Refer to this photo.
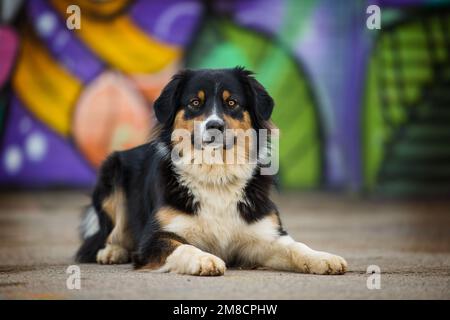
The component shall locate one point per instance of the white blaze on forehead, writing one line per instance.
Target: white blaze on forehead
(213, 116)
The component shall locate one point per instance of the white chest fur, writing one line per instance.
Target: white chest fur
(218, 227)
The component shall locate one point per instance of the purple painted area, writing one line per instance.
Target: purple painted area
(63, 43)
(320, 50)
(263, 15)
(359, 41)
(334, 51)
(32, 155)
(171, 21)
(8, 48)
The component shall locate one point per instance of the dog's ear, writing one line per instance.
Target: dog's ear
(168, 100)
(263, 102)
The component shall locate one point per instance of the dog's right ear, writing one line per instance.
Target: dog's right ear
(263, 102)
(168, 100)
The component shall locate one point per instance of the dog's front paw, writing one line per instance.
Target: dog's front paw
(112, 254)
(206, 265)
(325, 263)
(187, 259)
(307, 260)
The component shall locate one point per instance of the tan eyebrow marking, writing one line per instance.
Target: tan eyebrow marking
(225, 95)
(201, 95)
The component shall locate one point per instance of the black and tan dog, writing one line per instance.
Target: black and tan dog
(193, 217)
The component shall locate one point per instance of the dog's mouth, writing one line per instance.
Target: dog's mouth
(214, 141)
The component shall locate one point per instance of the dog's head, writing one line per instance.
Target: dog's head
(207, 102)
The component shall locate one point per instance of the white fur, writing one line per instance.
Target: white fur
(286, 254)
(89, 225)
(187, 259)
(112, 254)
(212, 117)
(218, 227)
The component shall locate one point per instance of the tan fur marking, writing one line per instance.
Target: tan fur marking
(181, 123)
(201, 95)
(114, 206)
(166, 215)
(275, 218)
(225, 95)
(112, 203)
(240, 127)
(245, 123)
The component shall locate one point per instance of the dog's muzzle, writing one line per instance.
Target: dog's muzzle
(213, 134)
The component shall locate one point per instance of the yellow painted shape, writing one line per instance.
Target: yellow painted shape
(123, 45)
(46, 89)
(103, 8)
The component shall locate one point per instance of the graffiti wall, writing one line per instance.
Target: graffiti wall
(406, 109)
(70, 97)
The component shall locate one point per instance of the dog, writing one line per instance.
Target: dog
(169, 213)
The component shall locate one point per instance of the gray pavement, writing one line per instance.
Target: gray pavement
(409, 241)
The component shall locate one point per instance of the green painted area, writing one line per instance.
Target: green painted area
(405, 128)
(298, 18)
(222, 44)
(374, 129)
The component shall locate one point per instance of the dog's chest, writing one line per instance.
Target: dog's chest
(218, 227)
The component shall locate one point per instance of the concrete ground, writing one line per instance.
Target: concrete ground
(409, 241)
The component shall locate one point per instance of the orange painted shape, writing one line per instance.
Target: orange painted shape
(110, 115)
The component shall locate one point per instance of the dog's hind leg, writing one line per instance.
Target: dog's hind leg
(94, 230)
(119, 242)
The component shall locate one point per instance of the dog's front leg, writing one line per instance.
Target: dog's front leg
(166, 252)
(287, 254)
(187, 259)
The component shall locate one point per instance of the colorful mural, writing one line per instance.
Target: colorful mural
(78, 95)
(406, 147)
(87, 92)
(69, 97)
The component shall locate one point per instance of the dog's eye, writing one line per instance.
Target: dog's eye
(232, 103)
(195, 103)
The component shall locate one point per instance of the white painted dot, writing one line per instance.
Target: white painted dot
(36, 146)
(24, 125)
(46, 23)
(12, 160)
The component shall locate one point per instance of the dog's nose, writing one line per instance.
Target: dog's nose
(215, 124)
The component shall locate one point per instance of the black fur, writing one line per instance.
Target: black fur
(155, 246)
(167, 102)
(262, 101)
(257, 202)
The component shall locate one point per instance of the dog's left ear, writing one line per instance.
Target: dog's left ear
(263, 102)
(168, 101)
